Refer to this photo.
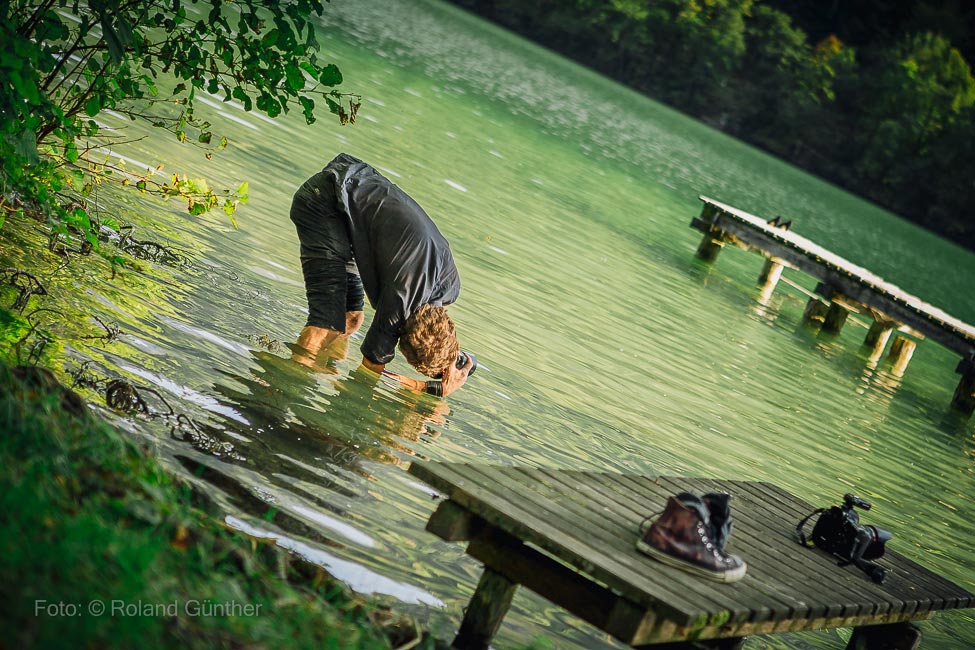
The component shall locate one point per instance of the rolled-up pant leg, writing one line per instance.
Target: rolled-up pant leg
(331, 277)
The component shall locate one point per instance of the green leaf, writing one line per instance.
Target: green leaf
(93, 106)
(242, 192)
(243, 97)
(330, 75)
(80, 218)
(25, 145)
(223, 142)
(71, 152)
(141, 186)
(296, 80)
(24, 87)
(115, 47)
(124, 31)
(205, 137)
(308, 106)
(270, 38)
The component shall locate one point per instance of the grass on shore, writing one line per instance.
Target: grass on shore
(91, 517)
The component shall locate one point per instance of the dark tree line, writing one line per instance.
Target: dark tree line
(875, 95)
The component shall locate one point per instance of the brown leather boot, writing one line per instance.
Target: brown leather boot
(682, 537)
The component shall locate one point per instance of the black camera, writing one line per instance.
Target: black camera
(839, 531)
(462, 358)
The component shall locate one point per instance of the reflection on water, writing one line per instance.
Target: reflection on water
(603, 344)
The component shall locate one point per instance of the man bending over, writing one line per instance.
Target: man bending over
(358, 231)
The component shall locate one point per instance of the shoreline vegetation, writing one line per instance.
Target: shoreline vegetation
(876, 97)
(105, 548)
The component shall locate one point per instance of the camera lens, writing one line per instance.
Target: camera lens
(462, 361)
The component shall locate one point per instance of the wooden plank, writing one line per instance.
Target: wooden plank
(497, 510)
(822, 598)
(795, 615)
(813, 568)
(547, 577)
(765, 554)
(855, 582)
(913, 582)
(771, 602)
(607, 536)
(849, 579)
(797, 624)
(616, 535)
(939, 585)
(846, 619)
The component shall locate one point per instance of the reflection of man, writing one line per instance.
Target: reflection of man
(360, 231)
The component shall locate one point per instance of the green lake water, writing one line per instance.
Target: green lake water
(603, 343)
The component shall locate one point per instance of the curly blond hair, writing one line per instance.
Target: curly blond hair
(429, 340)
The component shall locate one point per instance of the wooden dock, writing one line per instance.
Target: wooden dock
(843, 287)
(569, 536)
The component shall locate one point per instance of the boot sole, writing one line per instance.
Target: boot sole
(732, 575)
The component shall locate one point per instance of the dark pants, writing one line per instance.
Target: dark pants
(332, 282)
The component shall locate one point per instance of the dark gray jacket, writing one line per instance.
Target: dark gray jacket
(403, 260)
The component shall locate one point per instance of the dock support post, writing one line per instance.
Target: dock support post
(710, 246)
(877, 337)
(964, 398)
(835, 318)
(901, 351)
(815, 310)
(769, 277)
(485, 612)
(893, 636)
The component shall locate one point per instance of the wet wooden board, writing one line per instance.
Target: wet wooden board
(852, 281)
(570, 537)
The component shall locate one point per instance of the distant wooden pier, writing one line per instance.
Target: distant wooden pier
(843, 287)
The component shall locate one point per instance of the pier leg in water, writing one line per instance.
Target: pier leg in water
(877, 338)
(710, 246)
(835, 318)
(901, 351)
(769, 277)
(485, 612)
(964, 399)
(815, 311)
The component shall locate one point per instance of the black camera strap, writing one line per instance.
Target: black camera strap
(802, 536)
